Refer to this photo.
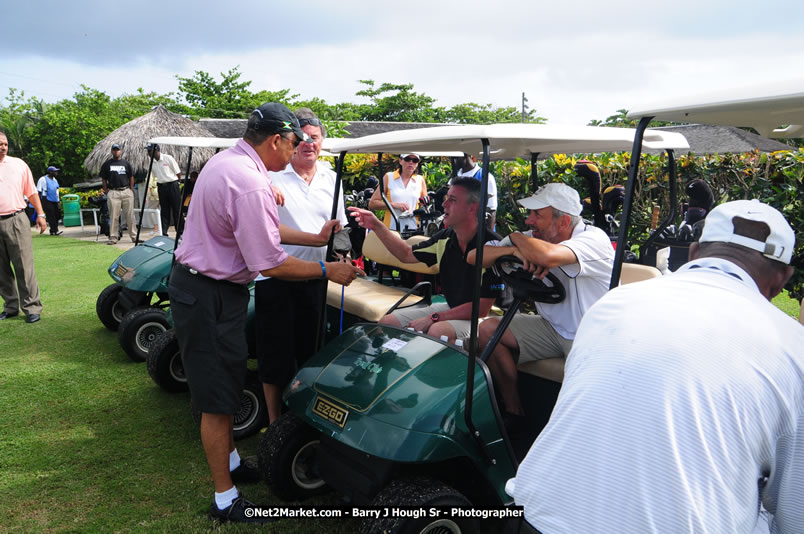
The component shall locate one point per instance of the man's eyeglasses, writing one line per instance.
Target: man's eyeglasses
(412, 159)
(309, 122)
(295, 140)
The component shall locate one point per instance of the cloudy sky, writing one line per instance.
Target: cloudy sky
(576, 60)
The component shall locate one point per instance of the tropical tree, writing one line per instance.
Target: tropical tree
(229, 98)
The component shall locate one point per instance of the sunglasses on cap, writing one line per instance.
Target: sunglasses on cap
(309, 122)
(413, 159)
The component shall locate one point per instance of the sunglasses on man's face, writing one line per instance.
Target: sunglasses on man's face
(309, 122)
(295, 140)
(412, 159)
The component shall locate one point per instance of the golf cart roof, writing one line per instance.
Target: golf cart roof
(775, 110)
(510, 141)
(219, 142)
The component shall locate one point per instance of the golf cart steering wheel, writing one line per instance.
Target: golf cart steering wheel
(524, 285)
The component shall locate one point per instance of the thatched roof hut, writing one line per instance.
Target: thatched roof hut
(133, 136)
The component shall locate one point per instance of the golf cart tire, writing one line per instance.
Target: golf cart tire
(139, 329)
(287, 454)
(419, 492)
(107, 307)
(253, 414)
(164, 363)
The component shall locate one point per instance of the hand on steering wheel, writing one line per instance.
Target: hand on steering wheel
(515, 273)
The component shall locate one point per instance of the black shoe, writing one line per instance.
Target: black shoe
(247, 472)
(240, 511)
(59, 232)
(32, 318)
(7, 315)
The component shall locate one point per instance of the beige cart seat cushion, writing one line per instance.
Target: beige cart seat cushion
(370, 300)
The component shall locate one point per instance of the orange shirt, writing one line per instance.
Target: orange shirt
(16, 182)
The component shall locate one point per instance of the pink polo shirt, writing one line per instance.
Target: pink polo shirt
(232, 228)
(16, 182)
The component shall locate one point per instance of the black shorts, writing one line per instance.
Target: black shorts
(210, 321)
(286, 315)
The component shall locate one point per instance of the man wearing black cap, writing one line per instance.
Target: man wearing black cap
(167, 174)
(48, 187)
(233, 233)
(118, 184)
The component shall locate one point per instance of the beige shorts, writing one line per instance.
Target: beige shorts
(406, 315)
(537, 339)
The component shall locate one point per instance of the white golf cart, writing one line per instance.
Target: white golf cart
(773, 110)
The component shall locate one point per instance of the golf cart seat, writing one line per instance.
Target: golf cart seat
(375, 250)
(371, 300)
(553, 368)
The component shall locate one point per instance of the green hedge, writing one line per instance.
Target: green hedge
(774, 178)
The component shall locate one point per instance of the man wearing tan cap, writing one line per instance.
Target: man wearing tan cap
(682, 406)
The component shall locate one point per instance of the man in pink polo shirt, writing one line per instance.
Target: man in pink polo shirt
(232, 234)
(16, 245)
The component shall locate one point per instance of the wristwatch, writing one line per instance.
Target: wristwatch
(40, 215)
(434, 317)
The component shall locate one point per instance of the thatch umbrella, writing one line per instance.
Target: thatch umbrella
(133, 136)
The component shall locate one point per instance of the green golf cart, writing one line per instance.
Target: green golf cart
(388, 416)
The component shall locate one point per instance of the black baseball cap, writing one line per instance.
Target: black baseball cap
(274, 117)
(115, 147)
(152, 146)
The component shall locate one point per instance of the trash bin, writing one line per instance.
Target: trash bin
(72, 210)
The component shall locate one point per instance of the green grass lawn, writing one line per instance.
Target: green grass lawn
(88, 443)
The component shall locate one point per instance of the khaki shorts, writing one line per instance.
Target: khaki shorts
(462, 327)
(537, 339)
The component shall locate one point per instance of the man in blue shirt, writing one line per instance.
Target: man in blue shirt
(48, 187)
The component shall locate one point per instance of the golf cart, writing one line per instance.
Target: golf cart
(773, 110)
(388, 416)
(134, 305)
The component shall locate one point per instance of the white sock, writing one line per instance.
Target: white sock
(224, 500)
(234, 460)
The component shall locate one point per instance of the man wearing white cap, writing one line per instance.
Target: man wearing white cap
(580, 255)
(682, 407)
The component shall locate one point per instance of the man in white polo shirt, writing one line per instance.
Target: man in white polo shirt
(682, 407)
(287, 312)
(167, 174)
(579, 255)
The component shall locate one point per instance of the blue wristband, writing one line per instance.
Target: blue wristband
(323, 269)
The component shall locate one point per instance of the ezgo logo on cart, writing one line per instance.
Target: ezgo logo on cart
(330, 412)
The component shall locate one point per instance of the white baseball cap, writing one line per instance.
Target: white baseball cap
(559, 196)
(719, 227)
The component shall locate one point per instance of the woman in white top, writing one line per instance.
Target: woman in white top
(403, 188)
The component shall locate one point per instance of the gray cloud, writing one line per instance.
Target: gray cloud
(113, 33)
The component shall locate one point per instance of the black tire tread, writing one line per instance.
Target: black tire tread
(105, 303)
(158, 362)
(416, 492)
(131, 322)
(277, 447)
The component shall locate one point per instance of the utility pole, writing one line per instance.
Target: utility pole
(524, 107)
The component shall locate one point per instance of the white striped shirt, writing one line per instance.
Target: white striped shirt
(680, 395)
